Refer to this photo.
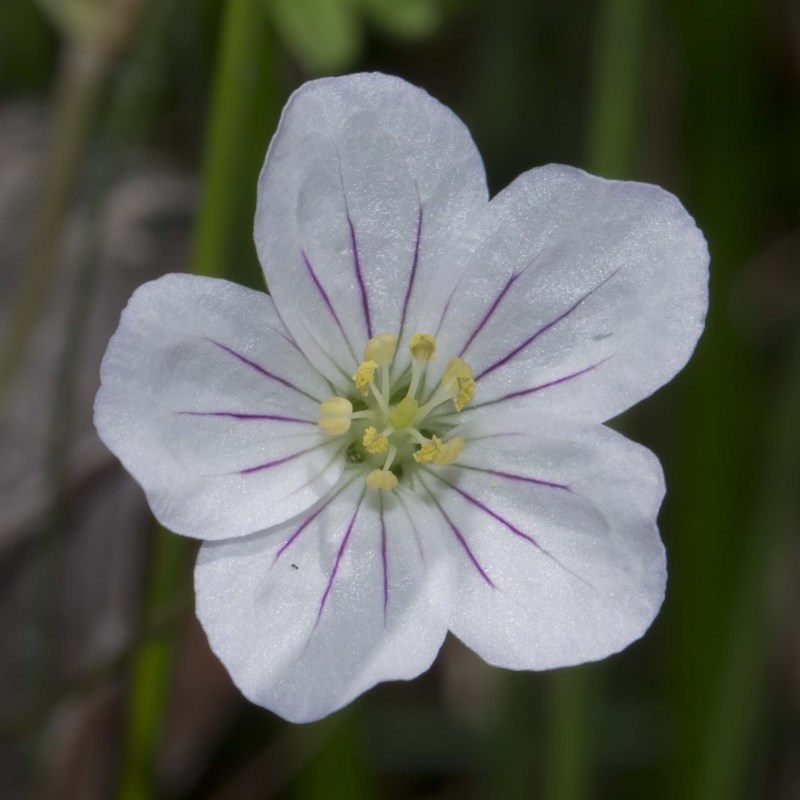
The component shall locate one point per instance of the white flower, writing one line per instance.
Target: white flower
(353, 515)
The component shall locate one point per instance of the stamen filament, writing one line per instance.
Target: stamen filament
(417, 368)
(390, 456)
(384, 406)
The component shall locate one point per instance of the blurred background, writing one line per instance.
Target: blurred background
(131, 135)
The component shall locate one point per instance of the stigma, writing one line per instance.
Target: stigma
(391, 407)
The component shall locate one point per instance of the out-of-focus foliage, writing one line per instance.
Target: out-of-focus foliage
(328, 35)
(148, 163)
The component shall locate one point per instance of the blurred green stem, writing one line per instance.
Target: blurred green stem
(736, 704)
(152, 671)
(78, 88)
(246, 107)
(244, 110)
(613, 133)
(617, 68)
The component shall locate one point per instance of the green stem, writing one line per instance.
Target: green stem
(613, 133)
(80, 81)
(245, 108)
(152, 672)
(736, 705)
(613, 127)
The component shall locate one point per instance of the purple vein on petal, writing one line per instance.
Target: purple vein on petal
(259, 369)
(460, 537)
(306, 522)
(384, 564)
(327, 300)
(512, 477)
(541, 386)
(413, 525)
(487, 316)
(278, 461)
(339, 554)
(534, 336)
(356, 257)
(359, 276)
(414, 263)
(238, 416)
(503, 521)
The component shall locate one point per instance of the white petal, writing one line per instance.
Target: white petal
(367, 184)
(212, 408)
(556, 553)
(582, 295)
(308, 615)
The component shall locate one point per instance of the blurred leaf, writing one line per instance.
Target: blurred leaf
(325, 35)
(26, 46)
(411, 19)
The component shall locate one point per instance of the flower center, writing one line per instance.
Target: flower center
(393, 424)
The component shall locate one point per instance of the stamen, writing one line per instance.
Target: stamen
(459, 379)
(450, 451)
(422, 347)
(440, 453)
(427, 453)
(381, 349)
(381, 480)
(337, 414)
(374, 442)
(364, 375)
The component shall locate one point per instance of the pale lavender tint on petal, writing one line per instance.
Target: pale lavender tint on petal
(413, 274)
(326, 299)
(542, 386)
(246, 417)
(258, 368)
(487, 316)
(384, 564)
(278, 461)
(460, 538)
(540, 331)
(359, 276)
(502, 520)
(339, 554)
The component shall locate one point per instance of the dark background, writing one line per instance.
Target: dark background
(131, 135)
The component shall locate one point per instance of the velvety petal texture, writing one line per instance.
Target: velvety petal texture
(344, 541)
(581, 295)
(551, 528)
(368, 185)
(309, 614)
(213, 409)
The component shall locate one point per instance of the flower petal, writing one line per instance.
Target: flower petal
(582, 295)
(212, 408)
(308, 615)
(556, 553)
(367, 184)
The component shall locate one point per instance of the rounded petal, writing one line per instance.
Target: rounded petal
(581, 296)
(308, 615)
(212, 408)
(555, 550)
(367, 184)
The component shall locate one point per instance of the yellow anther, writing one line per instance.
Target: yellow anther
(460, 382)
(440, 453)
(404, 413)
(381, 348)
(449, 451)
(428, 453)
(374, 442)
(381, 479)
(336, 416)
(422, 347)
(364, 375)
